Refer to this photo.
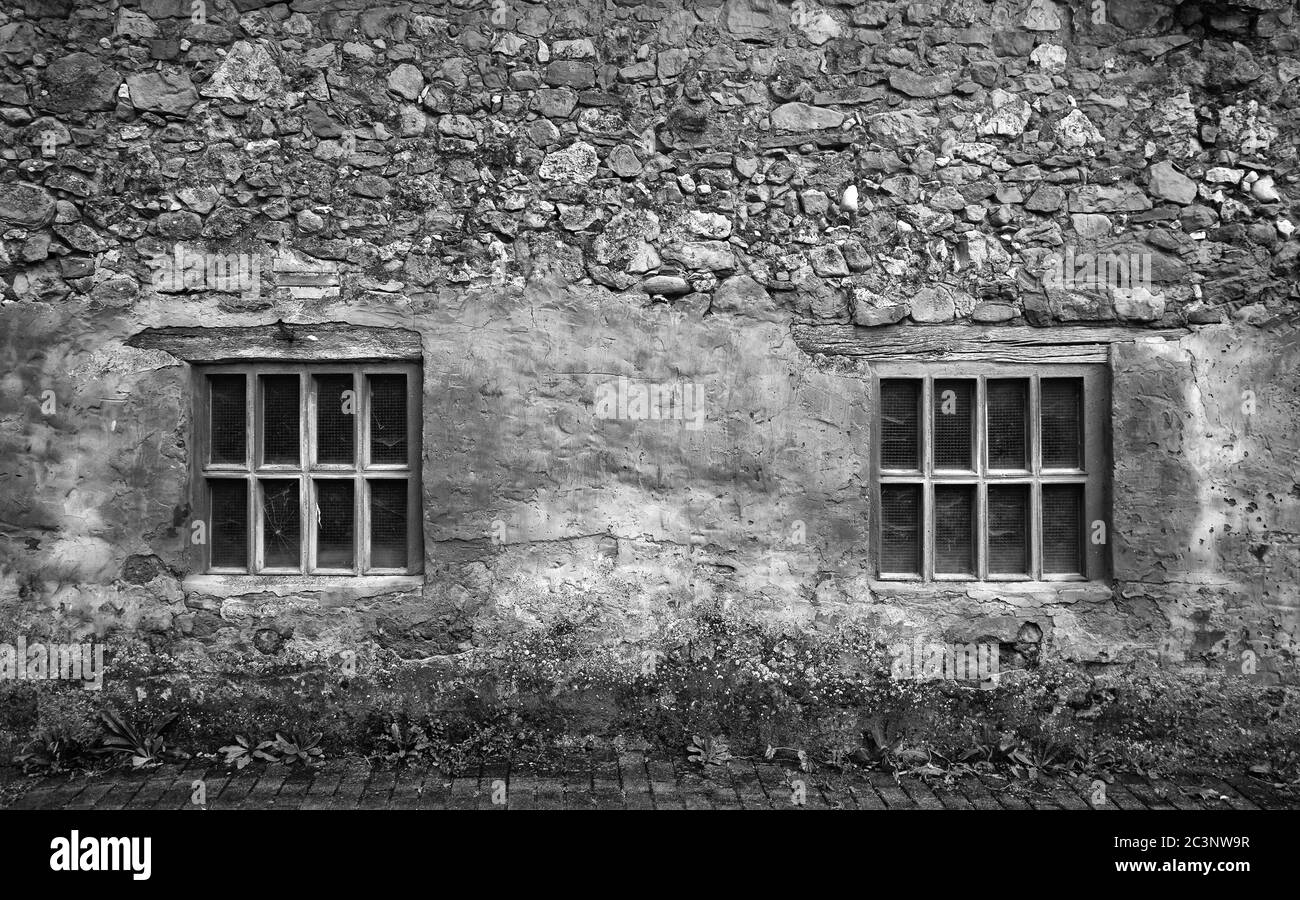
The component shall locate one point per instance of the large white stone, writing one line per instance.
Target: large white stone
(803, 117)
(1042, 15)
(1076, 130)
(577, 162)
(247, 73)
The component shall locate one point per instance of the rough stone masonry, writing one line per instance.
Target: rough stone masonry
(752, 197)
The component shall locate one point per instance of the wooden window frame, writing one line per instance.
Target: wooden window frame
(253, 470)
(1093, 475)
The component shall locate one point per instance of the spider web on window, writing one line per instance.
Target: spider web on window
(334, 523)
(281, 524)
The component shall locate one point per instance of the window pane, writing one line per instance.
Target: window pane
(1008, 401)
(388, 523)
(280, 419)
(954, 522)
(334, 524)
(1063, 529)
(229, 422)
(952, 418)
(900, 516)
(1009, 529)
(1062, 423)
(388, 418)
(229, 526)
(900, 528)
(336, 405)
(900, 424)
(281, 524)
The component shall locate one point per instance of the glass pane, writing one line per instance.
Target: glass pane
(1063, 529)
(900, 529)
(334, 524)
(281, 524)
(952, 418)
(280, 419)
(1062, 423)
(229, 422)
(388, 418)
(336, 405)
(1009, 529)
(1008, 401)
(900, 424)
(954, 520)
(229, 526)
(388, 523)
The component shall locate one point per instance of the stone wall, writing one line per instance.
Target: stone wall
(556, 195)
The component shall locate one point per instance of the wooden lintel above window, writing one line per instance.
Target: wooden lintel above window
(973, 343)
(283, 342)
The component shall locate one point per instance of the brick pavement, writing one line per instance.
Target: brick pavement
(605, 781)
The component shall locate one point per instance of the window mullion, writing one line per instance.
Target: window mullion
(876, 511)
(252, 554)
(362, 460)
(1035, 426)
(1087, 399)
(363, 524)
(980, 463)
(926, 531)
(250, 420)
(360, 535)
(311, 534)
(414, 425)
(926, 419)
(201, 492)
(363, 410)
(410, 518)
(358, 386)
(256, 419)
(1036, 530)
(1095, 491)
(1036, 468)
(310, 406)
(307, 530)
(306, 459)
(255, 520)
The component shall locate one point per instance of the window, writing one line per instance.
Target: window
(990, 472)
(309, 469)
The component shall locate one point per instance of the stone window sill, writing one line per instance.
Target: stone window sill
(1070, 590)
(339, 588)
